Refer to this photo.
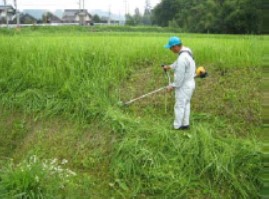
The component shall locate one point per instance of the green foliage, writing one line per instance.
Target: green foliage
(96, 19)
(147, 13)
(35, 178)
(170, 164)
(209, 16)
(139, 18)
(129, 20)
(78, 30)
(77, 83)
(72, 73)
(165, 11)
(135, 20)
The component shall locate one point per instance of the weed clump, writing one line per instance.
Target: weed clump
(35, 178)
(185, 165)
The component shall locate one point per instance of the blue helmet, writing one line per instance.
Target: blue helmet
(173, 41)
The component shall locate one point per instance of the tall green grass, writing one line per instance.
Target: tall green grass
(77, 76)
(167, 164)
(81, 75)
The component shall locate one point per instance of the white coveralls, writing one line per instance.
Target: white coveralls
(184, 84)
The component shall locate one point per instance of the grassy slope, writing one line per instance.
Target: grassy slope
(132, 152)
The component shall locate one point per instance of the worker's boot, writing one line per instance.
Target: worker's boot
(187, 127)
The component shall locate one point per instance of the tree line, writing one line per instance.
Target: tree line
(205, 16)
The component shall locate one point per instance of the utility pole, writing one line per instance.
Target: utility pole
(83, 4)
(84, 13)
(6, 10)
(126, 9)
(17, 13)
(109, 15)
(125, 5)
(81, 12)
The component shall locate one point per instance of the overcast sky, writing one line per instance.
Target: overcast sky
(116, 6)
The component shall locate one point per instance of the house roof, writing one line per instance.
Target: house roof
(71, 14)
(8, 7)
(53, 17)
(27, 16)
(70, 11)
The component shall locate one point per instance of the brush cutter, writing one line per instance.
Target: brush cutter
(145, 95)
(200, 72)
(152, 92)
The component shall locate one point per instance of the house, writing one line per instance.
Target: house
(11, 12)
(36, 13)
(49, 17)
(77, 16)
(26, 18)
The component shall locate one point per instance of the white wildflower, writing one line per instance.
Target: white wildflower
(64, 161)
(33, 158)
(59, 169)
(53, 161)
(72, 173)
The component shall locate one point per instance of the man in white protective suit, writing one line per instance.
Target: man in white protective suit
(184, 83)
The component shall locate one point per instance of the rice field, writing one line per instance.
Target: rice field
(59, 100)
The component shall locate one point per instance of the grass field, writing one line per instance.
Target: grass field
(63, 133)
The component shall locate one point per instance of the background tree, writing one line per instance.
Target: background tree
(147, 13)
(129, 20)
(264, 6)
(46, 17)
(96, 19)
(134, 20)
(241, 16)
(137, 17)
(211, 16)
(165, 11)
